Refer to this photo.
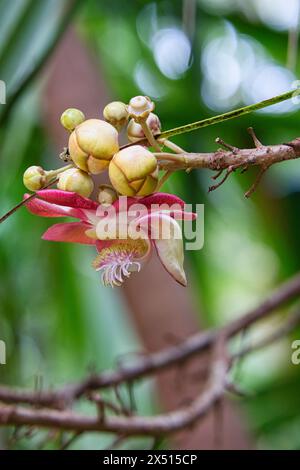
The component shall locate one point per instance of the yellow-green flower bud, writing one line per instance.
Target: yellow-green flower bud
(140, 107)
(135, 131)
(71, 118)
(34, 178)
(134, 171)
(94, 139)
(96, 166)
(116, 114)
(77, 181)
(107, 195)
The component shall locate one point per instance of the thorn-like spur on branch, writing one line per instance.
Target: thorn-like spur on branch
(257, 142)
(230, 170)
(226, 146)
(217, 175)
(38, 414)
(256, 181)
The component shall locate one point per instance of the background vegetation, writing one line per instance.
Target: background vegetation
(195, 59)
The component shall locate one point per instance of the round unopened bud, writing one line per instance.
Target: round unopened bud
(71, 118)
(135, 131)
(116, 114)
(77, 181)
(140, 107)
(34, 178)
(107, 195)
(96, 166)
(92, 140)
(133, 171)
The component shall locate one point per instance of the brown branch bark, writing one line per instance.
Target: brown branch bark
(155, 362)
(229, 160)
(165, 423)
(264, 155)
(134, 425)
(11, 413)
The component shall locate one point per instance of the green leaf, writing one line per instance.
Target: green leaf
(28, 35)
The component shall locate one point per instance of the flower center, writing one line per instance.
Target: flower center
(119, 259)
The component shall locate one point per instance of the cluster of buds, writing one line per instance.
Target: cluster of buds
(133, 170)
(93, 147)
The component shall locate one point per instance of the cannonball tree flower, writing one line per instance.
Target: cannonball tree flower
(118, 257)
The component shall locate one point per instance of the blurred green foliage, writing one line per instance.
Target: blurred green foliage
(54, 316)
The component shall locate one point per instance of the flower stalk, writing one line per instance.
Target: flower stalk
(150, 137)
(54, 173)
(229, 115)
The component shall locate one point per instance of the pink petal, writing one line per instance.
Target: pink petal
(67, 198)
(182, 215)
(165, 200)
(161, 198)
(170, 200)
(45, 209)
(156, 198)
(73, 232)
(176, 214)
(129, 201)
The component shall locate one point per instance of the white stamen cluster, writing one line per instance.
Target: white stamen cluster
(117, 262)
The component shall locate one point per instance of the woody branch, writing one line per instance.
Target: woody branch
(230, 158)
(53, 409)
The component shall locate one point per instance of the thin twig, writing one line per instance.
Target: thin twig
(24, 201)
(226, 145)
(256, 181)
(229, 115)
(70, 441)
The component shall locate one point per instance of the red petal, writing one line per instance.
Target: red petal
(45, 209)
(73, 232)
(67, 198)
(126, 203)
(182, 215)
(161, 198)
(156, 198)
(100, 244)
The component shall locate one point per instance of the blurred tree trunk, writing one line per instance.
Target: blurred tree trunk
(162, 310)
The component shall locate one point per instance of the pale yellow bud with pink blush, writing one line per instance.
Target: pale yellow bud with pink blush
(140, 107)
(116, 114)
(134, 171)
(76, 181)
(92, 140)
(107, 195)
(71, 118)
(34, 178)
(135, 131)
